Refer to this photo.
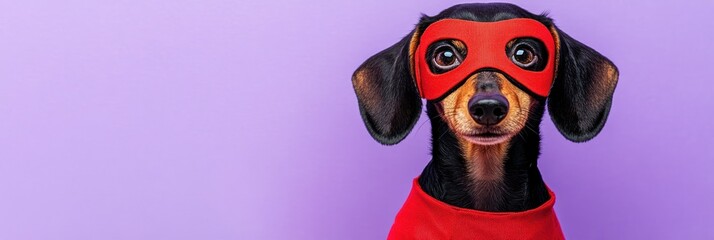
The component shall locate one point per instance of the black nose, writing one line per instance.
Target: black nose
(488, 109)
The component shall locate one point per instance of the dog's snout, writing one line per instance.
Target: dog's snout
(487, 82)
(488, 109)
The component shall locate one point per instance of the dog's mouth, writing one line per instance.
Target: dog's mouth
(487, 138)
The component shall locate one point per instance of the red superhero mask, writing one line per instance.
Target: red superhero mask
(486, 49)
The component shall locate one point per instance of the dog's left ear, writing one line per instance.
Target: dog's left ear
(581, 95)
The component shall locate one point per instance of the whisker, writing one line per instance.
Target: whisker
(425, 121)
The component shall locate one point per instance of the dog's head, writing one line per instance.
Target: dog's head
(487, 69)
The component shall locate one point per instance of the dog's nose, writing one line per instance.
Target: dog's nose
(488, 109)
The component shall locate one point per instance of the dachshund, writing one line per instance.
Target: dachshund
(486, 71)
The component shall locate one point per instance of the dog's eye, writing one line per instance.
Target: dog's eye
(527, 53)
(524, 56)
(446, 58)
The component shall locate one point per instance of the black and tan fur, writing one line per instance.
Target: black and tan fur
(501, 177)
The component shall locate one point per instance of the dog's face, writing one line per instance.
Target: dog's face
(488, 107)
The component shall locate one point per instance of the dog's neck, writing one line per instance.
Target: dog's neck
(510, 184)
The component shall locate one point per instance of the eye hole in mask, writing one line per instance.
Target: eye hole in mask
(527, 53)
(445, 55)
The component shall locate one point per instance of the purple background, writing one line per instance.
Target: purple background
(237, 120)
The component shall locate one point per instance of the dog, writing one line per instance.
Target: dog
(486, 71)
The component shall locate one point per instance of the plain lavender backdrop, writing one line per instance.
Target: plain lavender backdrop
(237, 120)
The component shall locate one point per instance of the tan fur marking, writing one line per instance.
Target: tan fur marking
(413, 43)
(364, 88)
(456, 113)
(459, 45)
(606, 79)
(612, 76)
(556, 38)
(485, 163)
(455, 107)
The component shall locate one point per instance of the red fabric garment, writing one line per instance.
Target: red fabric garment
(424, 217)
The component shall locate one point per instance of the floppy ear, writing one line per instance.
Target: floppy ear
(581, 94)
(389, 101)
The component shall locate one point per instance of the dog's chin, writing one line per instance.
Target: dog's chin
(487, 139)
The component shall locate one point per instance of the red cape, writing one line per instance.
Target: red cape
(424, 217)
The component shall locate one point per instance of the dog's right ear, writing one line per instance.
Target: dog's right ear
(389, 101)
